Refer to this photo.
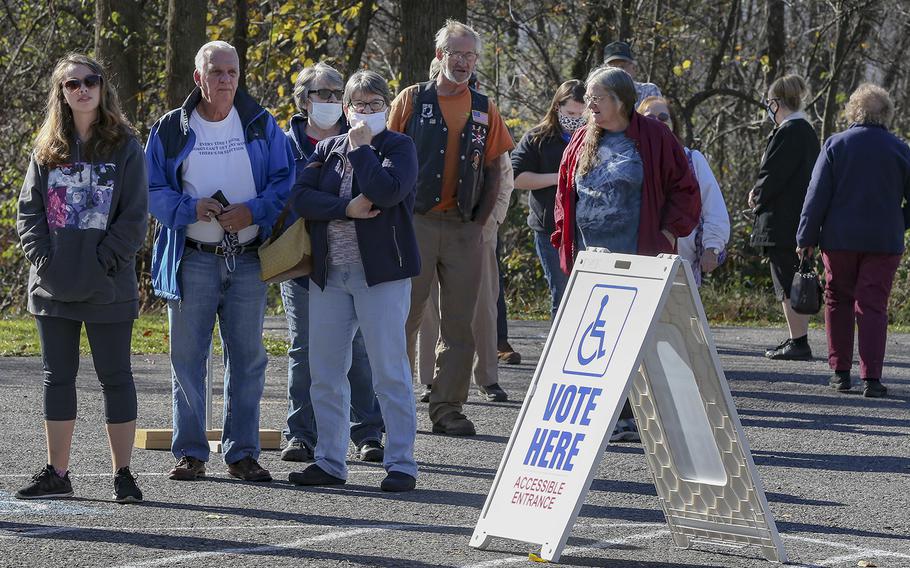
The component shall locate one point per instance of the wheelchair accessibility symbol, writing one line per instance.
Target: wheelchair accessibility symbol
(599, 330)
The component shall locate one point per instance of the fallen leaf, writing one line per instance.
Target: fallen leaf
(533, 557)
(211, 516)
(866, 564)
(146, 333)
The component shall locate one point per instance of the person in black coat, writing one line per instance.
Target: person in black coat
(777, 200)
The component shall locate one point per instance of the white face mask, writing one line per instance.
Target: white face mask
(325, 115)
(376, 120)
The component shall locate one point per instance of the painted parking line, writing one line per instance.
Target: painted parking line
(141, 474)
(270, 548)
(856, 552)
(575, 549)
(9, 505)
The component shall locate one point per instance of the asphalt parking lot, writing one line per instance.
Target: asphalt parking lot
(836, 468)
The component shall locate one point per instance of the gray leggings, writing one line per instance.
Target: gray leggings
(110, 344)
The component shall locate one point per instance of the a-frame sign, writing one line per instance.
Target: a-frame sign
(629, 326)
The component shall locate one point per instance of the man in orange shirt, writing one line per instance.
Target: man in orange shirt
(459, 136)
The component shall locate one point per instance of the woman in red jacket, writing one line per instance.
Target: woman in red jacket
(624, 184)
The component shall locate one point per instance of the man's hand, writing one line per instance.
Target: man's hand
(709, 260)
(808, 251)
(752, 202)
(669, 236)
(206, 208)
(360, 134)
(361, 208)
(235, 217)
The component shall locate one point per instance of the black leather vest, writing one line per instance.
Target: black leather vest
(429, 131)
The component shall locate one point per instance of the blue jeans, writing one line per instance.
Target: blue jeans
(237, 298)
(366, 417)
(549, 261)
(380, 311)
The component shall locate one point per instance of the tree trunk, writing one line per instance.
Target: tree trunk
(185, 35)
(241, 40)
(777, 40)
(360, 38)
(118, 36)
(420, 20)
(837, 59)
(626, 11)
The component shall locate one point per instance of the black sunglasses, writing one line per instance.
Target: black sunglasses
(326, 94)
(90, 82)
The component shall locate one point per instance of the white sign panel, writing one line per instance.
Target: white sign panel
(614, 306)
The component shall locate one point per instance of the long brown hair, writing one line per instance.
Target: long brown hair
(571, 90)
(52, 145)
(619, 85)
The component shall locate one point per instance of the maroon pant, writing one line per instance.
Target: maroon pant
(857, 290)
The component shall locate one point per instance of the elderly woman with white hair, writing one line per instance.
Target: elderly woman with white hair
(856, 211)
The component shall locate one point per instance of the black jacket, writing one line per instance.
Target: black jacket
(783, 178)
(386, 172)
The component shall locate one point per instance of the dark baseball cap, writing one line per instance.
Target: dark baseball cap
(618, 50)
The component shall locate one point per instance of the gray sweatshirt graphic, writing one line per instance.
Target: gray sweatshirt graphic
(80, 225)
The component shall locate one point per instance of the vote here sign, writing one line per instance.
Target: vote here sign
(575, 398)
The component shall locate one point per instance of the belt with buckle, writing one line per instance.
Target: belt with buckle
(252, 246)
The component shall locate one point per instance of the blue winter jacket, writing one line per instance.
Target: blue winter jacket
(386, 172)
(859, 195)
(170, 142)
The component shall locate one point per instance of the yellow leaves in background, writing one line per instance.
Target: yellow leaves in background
(678, 70)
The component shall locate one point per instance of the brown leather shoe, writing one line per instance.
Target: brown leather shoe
(249, 469)
(187, 469)
(508, 355)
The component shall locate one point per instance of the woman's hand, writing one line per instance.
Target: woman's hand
(669, 236)
(360, 135)
(709, 260)
(360, 207)
(807, 251)
(752, 203)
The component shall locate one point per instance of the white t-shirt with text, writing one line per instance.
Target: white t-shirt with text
(218, 161)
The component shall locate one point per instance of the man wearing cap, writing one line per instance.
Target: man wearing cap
(619, 54)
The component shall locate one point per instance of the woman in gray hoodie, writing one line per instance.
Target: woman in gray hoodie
(81, 220)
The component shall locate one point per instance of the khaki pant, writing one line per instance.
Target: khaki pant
(486, 360)
(453, 251)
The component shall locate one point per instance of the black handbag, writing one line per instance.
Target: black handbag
(806, 291)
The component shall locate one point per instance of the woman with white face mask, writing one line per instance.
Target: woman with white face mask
(357, 193)
(318, 92)
(535, 162)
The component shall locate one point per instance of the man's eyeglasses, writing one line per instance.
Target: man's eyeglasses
(90, 82)
(466, 56)
(326, 94)
(375, 105)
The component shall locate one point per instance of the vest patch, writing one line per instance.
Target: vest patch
(480, 117)
(426, 111)
(479, 134)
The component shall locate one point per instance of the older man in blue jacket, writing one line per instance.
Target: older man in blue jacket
(220, 170)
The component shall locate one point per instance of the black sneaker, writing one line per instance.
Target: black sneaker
(397, 482)
(425, 397)
(46, 484)
(840, 381)
(790, 350)
(494, 393)
(296, 452)
(873, 388)
(371, 451)
(125, 488)
(314, 475)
